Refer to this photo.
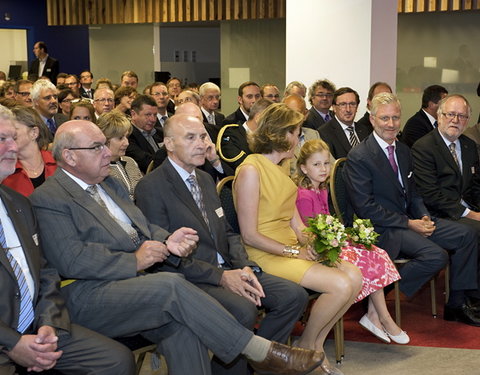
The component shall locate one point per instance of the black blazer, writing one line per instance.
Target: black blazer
(332, 133)
(48, 304)
(375, 192)
(438, 177)
(232, 144)
(314, 120)
(219, 118)
(51, 69)
(166, 201)
(415, 128)
(365, 122)
(236, 117)
(83, 93)
(140, 150)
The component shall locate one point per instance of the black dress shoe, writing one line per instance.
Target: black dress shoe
(463, 314)
(474, 304)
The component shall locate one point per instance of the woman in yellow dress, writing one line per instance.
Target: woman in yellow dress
(272, 229)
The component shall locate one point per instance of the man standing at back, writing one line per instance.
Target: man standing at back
(380, 184)
(178, 194)
(43, 65)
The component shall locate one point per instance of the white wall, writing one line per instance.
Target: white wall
(14, 47)
(350, 42)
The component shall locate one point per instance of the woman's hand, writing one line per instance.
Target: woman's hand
(307, 253)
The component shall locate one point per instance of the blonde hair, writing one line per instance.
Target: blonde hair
(114, 124)
(308, 149)
(273, 125)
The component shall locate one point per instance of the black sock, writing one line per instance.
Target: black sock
(456, 299)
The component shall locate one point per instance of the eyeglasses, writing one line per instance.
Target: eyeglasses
(272, 96)
(324, 95)
(71, 84)
(388, 118)
(159, 93)
(209, 98)
(50, 97)
(451, 115)
(97, 148)
(103, 100)
(23, 93)
(344, 105)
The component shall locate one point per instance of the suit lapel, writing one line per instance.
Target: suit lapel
(180, 189)
(340, 134)
(445, 153)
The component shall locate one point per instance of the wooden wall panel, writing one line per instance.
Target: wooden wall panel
(81, 12)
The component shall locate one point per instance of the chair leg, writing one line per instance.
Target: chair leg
(339, 343)
(433, 297)
(140, 359)
(447, 282)
(398, 314)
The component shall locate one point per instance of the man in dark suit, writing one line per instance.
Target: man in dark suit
(209, 100)
(425, 120)
(167, 199)
(446, 167)
(320, 96)
(248, 94)
(375, 89)
(159, 92)
(43, 65)
(35, 328)
(45, 101)
(379, 181)
(104, 248)
(145, 139)
(215, 167)
(341, 133)
(232, 144)
(86, 80)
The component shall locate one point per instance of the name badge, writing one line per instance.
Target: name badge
(219, 212)
(49, 69)
(35, 239)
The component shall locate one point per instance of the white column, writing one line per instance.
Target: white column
(350, 42)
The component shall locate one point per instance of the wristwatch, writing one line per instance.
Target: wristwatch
(291, 251)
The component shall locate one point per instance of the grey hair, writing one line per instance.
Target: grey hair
(38, 86)
(62, 141)
(207, 86)
(382, 99)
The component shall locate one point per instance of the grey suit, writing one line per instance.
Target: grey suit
(83, 242)
(83, 350)
(166, 201)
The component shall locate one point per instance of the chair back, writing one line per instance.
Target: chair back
(338, 193)
(224, 190)
(150, 167)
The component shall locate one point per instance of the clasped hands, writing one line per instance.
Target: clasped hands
(181, 243)
(244, 283)
(424, 226)
(37, 352)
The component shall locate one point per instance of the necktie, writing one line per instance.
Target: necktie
(163, 120)
(353, 138)
(391, 159)
(454, 154)
(211, 119)
(131, 231)
(435, 124)
(27, 314)
(197, 196)
(51, 125)
(327, 117)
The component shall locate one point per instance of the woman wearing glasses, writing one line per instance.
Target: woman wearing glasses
(34, 162)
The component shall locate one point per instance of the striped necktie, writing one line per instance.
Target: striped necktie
(26, 314)
(353, 138)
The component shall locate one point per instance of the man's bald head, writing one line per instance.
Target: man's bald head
(190, 109)
(296, 102)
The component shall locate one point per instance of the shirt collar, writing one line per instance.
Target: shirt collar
(430, 117)
(344, 127)
(144, 132)
(182, 172)
(447, 142)
(79, 181)
(382, 143)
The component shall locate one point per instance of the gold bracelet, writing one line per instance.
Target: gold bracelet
(291, 251)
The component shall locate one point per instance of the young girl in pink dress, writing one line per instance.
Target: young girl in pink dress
(378, 271)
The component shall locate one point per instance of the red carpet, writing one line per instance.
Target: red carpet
(417, 320)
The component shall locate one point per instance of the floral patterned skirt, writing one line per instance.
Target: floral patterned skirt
(377, 268)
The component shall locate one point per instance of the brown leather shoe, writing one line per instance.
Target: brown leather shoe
(287, 360)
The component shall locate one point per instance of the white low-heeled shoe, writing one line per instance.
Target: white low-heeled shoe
(402, 338)
(369, 326)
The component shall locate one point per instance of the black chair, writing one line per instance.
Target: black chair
(224, 190)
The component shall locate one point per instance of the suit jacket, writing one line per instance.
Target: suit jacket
(48, 304)
(161, 156)
(83, 93)
(79, 237)
(51, 69)
(166, 201)
(415, 128)
(332, 133)
(236, 117)
(314, 120)
(140, 150)
(439, 180)
(376, 194)
(219, 118)
(309, 134)
(365, 122)
(232, 144)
